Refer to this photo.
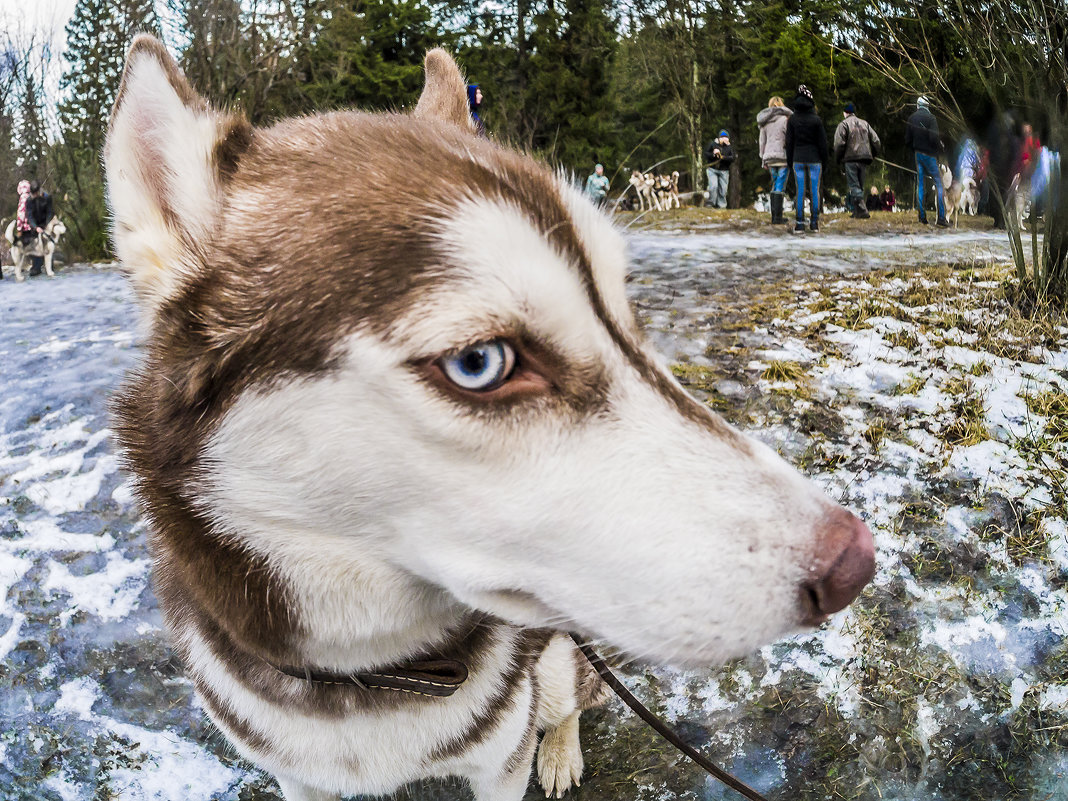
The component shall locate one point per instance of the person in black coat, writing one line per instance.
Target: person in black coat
(921, 134)
(39, 212)
(806, 153)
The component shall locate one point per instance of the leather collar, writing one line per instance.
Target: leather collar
(438, 678)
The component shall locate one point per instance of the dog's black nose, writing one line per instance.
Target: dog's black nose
(850, 569)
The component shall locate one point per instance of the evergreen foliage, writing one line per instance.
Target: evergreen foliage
(98, 35)
(632, 85)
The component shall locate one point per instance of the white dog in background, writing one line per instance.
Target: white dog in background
(44, 245)
(383, 474)
(958, 194)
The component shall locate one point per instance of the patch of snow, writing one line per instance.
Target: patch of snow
(110, 594)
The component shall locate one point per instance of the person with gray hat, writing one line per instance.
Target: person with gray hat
(855, 147)
(719, 155)
(921, 134)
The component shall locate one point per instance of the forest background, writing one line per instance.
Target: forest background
(630, 85)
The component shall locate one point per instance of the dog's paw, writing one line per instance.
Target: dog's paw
(560, 758)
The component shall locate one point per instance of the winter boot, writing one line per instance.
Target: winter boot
(860, 211)
(776, 208)
(942, 222)
(799, 228)
(814, 225)
(923, 218)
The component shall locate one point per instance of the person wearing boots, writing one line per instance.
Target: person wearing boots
(806, 153)
(921, 134)
(772, 121)
(719, 155)
(855, 147)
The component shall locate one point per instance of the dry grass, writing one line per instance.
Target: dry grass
(784, 371)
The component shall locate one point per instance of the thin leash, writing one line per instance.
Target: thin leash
(661, 728)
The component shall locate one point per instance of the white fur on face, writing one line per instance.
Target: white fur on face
(634, 524)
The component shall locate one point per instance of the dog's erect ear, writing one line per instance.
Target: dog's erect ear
(168, 158)
(445, 94)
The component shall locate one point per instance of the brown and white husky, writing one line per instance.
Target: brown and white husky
(411, 456)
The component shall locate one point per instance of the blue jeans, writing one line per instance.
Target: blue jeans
(926, 164)
(778, 178)
(813, 171)
(717, 187)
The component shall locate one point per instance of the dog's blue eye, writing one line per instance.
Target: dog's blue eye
(481, 367)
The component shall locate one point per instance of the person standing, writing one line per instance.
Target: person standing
(921, 134)
(24, 228)
(806, 153)
(772, 121)
(474, 102)
(855, 146)
(39, 211)
(597, 185)
(719, 155)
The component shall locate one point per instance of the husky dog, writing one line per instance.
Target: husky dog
(667, 190)
(381, 477)
(959, 194)
(969, 196)
(45, 245)
(645, 186)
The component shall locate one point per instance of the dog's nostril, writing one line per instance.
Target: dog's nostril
(851, 570)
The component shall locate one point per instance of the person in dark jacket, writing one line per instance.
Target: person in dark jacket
(873, 202)
(806, 153)
(888, 199)
(855, 147)
(921, 134)
(719, 156)
(474, 102)
(39, 212)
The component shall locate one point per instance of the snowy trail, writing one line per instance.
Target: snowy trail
(92, 705)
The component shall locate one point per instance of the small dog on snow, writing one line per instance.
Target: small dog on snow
(381, 477)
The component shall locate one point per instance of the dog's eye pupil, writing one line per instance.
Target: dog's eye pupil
(480, 368)
(474, 362)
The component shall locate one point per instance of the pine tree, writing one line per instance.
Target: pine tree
(568, 88)
(31, 133)
(98, 35)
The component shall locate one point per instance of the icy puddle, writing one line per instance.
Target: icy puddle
(915, 396)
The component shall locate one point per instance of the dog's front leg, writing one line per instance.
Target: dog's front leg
(293, 790)
(18, 267)
(507, 787)
(48, 264)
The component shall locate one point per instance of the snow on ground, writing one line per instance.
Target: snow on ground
(916, 397)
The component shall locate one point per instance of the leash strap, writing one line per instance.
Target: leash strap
(438, 678)
(660, 727)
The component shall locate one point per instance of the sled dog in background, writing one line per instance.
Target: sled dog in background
(959, 194)
(381, 476)
(44, 245)
(644, 186)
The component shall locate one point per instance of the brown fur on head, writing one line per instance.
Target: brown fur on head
(228, 313)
